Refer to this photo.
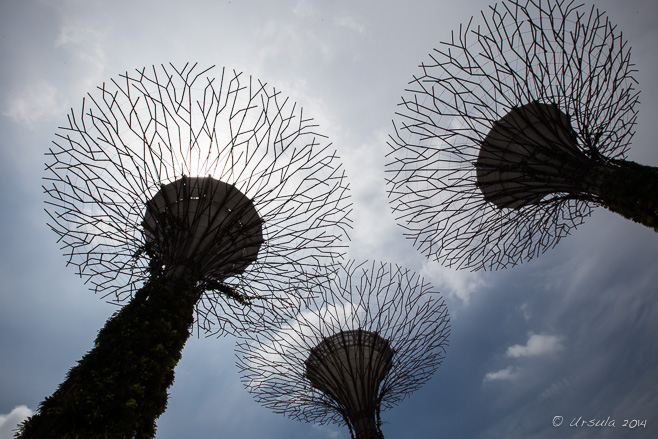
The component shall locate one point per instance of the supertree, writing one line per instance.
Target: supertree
(368, 338)
(192, 196)
(514, 130)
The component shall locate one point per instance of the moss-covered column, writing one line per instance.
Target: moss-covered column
(119, 388)
(631, 190)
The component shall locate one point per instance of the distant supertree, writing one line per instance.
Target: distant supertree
(193, 197)
(369, 338)
(514, 131)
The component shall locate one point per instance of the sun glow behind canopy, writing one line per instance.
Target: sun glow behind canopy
(152, 127)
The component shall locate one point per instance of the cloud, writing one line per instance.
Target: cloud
(524, 308)
(290, 44)
(86, 42)
(33, 102)
(303, 9)
(351, 23)
(457, 283)
(507, 374)
(9, 423)
(554, 388)
(537, 345)
(375, 234)
(329, 431)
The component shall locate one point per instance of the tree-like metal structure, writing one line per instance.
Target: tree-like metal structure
(515, 129)
(369, 338)
(193, 197)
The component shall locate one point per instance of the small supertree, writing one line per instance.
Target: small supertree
(368, 338)
(192, 198)
(515, 129)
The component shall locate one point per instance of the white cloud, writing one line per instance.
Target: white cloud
(9, 422)
(351, 23)
(86, 42)
(303, 9)
(524, 308)
(33, 102)
(537, 345)
(375, 234)
(291, 44)
(555, 388)
(457, 283)
(329, 431)
(507, 374)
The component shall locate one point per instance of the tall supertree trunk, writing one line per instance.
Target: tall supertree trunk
(165, 184)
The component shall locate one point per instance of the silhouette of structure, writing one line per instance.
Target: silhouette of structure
(513, 132)
(366, 340)
(194, 198)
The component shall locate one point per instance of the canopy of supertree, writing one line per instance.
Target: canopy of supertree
(366, 340)
(513, 131)
(203, 168)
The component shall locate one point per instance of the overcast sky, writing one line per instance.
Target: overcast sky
(572, 333)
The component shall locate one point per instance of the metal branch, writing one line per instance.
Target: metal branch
(150, 128)
(191, 199)
(513, 132)
(367, 339)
